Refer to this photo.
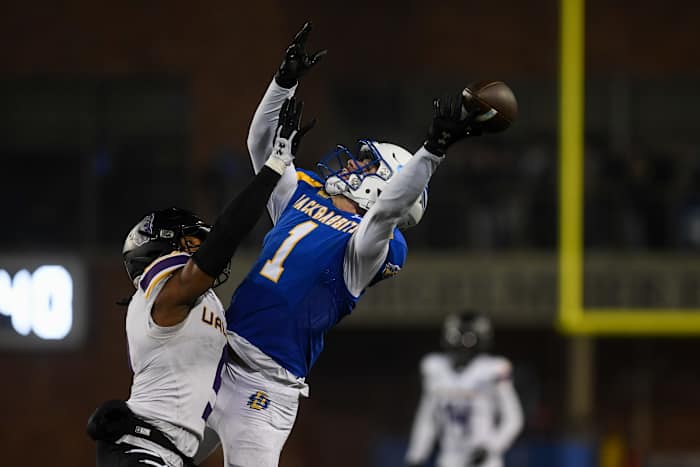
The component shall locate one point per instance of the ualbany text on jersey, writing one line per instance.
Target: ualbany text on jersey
(212, 320)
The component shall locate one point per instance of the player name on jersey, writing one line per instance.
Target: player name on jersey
(323, 215)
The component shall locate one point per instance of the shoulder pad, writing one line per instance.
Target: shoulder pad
(498, 368)
(310, 178)
(161, 268)
(433, 363)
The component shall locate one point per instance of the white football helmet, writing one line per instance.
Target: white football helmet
(363, 186)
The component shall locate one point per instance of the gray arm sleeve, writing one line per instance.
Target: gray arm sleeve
(369, 245)
(260, 137)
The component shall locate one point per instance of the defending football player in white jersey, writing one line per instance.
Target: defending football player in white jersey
(335, 234)
(175, 324)
(468, 405)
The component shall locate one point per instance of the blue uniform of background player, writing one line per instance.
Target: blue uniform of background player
(333, 236)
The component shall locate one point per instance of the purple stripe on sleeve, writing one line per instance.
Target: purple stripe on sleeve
(207, 411)
(128, 357)
(161, 266)
(219, 369)
(217, 381)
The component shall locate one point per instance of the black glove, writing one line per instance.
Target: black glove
(296, 61)
(288, 125)
(288, 136)
(479, 455)
(450, 124)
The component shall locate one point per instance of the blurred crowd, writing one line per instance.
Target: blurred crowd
(78, 163)
(497, 197)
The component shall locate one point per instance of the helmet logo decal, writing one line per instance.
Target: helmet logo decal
(148, 224)
(354, 181)
(136, 237)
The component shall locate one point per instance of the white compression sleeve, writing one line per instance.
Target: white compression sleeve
(368, 246)
(424, 431)
(511, 417)
(260, 137)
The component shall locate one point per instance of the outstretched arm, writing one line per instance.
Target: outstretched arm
(511, 417)
(177, 296)
(369, 245)
(261, 133)
(425, 426)
(423, 433)
(260, 138)
(296, 63)
(174, 301)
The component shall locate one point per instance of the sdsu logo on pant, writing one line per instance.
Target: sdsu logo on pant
(258, 401)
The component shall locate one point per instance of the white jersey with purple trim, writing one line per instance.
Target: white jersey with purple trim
(177, 369)
(465, 408)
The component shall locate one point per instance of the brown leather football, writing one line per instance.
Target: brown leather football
(494, 103)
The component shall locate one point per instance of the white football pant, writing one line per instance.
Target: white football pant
(253, 417)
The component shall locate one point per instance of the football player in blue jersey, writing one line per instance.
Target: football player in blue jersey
(334, 235)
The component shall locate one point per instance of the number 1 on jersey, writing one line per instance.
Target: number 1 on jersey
(274, 268)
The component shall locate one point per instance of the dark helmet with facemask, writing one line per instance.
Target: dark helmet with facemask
(469, 331)
(160, 233)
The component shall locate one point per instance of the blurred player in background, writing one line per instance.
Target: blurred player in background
(175, 324)
(468, 405)
(333, 236)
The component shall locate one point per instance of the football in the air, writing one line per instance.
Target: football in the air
(494, 103)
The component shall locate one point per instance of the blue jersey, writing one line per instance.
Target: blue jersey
(295, 291)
